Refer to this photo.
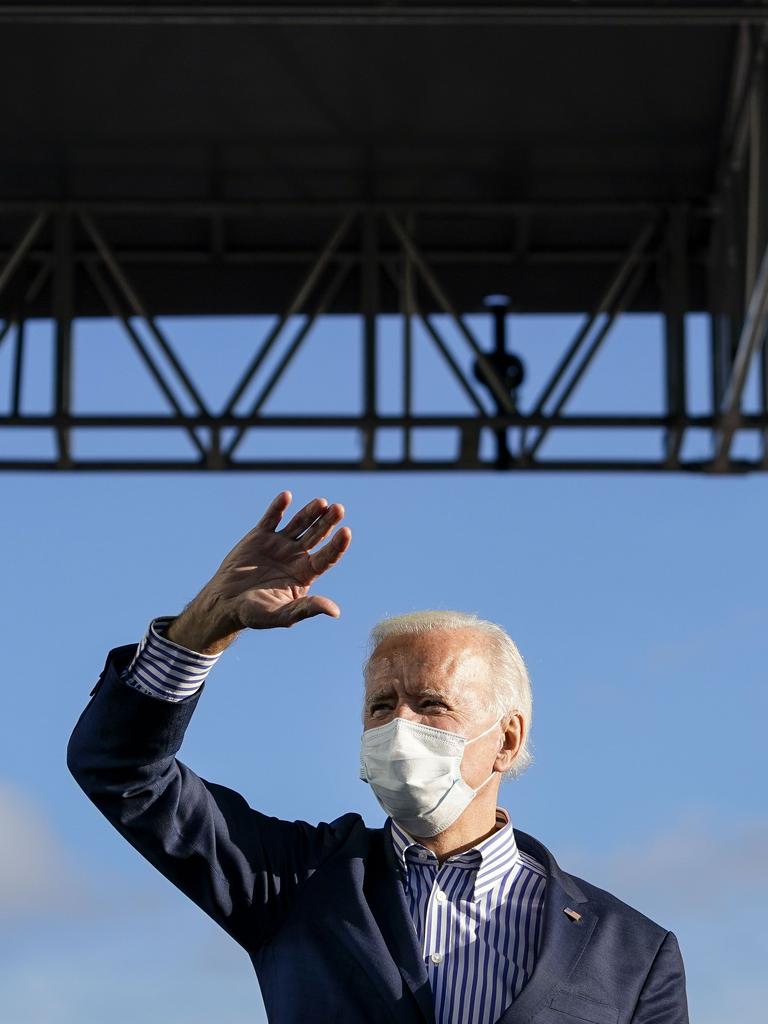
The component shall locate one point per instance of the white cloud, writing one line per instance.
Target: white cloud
(36, 873)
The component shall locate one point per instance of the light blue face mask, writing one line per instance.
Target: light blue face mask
(415, 773)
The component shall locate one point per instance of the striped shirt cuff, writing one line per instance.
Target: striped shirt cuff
(160, 668)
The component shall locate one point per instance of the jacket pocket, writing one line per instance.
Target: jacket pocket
(584, 1008)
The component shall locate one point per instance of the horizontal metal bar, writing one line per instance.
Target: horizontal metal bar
(340, 466)
(335, 207)
(457, 14)
(238, 257)
(750, 421)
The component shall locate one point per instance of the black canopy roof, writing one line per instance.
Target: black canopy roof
(531, 140)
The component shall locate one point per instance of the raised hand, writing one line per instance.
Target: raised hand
(264, 580)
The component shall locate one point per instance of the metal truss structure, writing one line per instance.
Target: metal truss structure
(71, 258)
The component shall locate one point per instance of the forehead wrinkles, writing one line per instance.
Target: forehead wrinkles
(456, 671)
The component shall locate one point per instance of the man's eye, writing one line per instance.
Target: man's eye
(439, 703)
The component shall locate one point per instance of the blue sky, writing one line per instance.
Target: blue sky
(638, 601)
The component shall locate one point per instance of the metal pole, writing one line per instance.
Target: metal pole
(18, 368)
(369, 304)
(499, 314)
(370, 16)
(408, 303)
(63, 307)
(674, 284)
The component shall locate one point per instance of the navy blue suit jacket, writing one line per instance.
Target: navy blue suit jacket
(320, 909)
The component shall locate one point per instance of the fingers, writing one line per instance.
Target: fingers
(322, 526)
(274, 512)
(306, 607)
(304, 518)
(330, 553)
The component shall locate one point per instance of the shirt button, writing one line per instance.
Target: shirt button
(436, 958)
(440, 896)
(423, 854)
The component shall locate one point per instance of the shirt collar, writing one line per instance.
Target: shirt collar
(490, 860)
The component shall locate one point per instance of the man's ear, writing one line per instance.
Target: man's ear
(514, 737)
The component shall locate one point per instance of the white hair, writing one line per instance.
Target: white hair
(510, 686)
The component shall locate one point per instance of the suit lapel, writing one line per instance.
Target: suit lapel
(563, 939)
(372, 921)
(386, 898)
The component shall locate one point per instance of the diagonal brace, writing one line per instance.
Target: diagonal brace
(620, 305)
(494, 381)
(606, 302)
(327, 298)
(464, 384)
(21, 249)
(300, 297)
(752, 333)
(110, 301)
(139, 310)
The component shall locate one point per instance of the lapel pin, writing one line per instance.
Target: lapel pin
(572, 914)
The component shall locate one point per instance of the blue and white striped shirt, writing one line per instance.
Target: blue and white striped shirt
(477, 916)
(161, 668)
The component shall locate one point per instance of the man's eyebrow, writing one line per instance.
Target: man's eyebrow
(384, 694)
(378, 695)
(428, 691)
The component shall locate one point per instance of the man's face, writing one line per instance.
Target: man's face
(438, 678)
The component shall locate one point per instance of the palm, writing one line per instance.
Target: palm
(265, 579)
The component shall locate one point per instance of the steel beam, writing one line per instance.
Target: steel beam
(407, 291)
(373, 15)
(741, 466)
(18, 369)
(63, 307)
(753, 335)
(674, 285)
(369, 305)
(324, 208)
(639, 421)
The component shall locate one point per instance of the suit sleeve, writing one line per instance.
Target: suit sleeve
(663, 997)
(242, 867)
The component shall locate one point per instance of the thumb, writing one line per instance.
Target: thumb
(306, 607)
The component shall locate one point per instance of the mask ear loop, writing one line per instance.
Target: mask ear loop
(480, 735)
(483, 783)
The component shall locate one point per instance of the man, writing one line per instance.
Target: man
(447, 914)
